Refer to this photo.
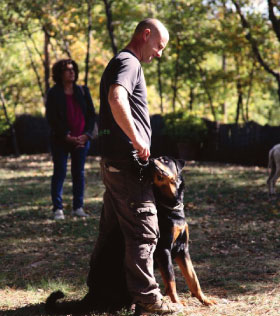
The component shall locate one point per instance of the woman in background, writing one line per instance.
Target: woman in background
(71, 116)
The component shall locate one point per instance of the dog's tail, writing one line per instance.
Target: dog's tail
(79, 307)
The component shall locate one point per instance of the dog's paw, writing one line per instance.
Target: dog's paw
(208, 302)
(183, 302)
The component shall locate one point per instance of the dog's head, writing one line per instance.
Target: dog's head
(167, 176)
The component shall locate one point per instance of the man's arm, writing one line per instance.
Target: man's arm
(120, 107)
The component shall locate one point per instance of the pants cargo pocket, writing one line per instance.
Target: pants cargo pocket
(146, 221)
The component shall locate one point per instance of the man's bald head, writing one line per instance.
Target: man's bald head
(149, 40)
(154, 25)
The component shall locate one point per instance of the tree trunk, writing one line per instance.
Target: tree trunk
(211, 103)
(239, 101)
(13, 134)
(159, 85)
(176, 75)
(88, 41)
(249, 91)
(33, 66)
(224, 68)
(224, 105)
(110, 25)
(191, 98)
(46, 61)
(204, 75)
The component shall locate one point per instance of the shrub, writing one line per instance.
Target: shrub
(184, 128)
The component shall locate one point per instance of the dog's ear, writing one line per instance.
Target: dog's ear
(180, 163)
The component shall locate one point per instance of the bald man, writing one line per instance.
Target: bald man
(124, 131)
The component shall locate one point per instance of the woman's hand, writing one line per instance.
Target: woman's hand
(72, 140)
(82, 140)
(77, 142)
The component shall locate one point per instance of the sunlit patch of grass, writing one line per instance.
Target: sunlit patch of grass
(50, 285)
(12, 298)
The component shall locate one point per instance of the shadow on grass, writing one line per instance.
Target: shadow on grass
(233, 228)
(30, 310)
(42, 248)
(27, 190)
(234, 232)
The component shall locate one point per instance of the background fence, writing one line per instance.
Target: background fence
(247, 144)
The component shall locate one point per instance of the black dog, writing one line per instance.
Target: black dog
(107, 288)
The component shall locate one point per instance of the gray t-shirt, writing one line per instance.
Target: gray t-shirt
(123, 69)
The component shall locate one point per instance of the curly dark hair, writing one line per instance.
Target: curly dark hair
(60, 66)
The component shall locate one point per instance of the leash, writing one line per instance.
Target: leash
(140, 165)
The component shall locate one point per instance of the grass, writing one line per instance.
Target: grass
(234, 231)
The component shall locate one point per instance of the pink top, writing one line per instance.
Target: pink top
(75, 117)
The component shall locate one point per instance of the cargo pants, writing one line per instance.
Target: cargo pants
(129, 204)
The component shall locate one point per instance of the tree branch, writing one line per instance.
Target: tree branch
(35, 70)
(110, 25)
(253, 43)
(272, 17)
(89, 30)
(14, 139)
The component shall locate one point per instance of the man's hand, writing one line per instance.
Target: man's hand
(143, 150)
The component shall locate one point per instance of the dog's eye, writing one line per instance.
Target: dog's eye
(159, 177)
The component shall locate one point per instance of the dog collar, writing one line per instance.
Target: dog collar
(177, 208)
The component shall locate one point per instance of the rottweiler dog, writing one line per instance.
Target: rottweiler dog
(107, 289)
(174, 233)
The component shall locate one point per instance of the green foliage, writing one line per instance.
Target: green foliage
(184, 127)
(3, 126)
(206, 56)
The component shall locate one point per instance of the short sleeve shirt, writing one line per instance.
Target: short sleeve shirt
(125, 70)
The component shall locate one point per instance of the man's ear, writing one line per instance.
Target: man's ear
(180, 164)
(146, 34)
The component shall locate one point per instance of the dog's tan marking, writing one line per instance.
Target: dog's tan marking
(177, 231)
(170, 287)
(187, 233)
(190, 276)
(171, 291)
(165, 179)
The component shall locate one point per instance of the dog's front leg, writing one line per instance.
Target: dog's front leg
(186, 266)
(184, 261)
(164, 261)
